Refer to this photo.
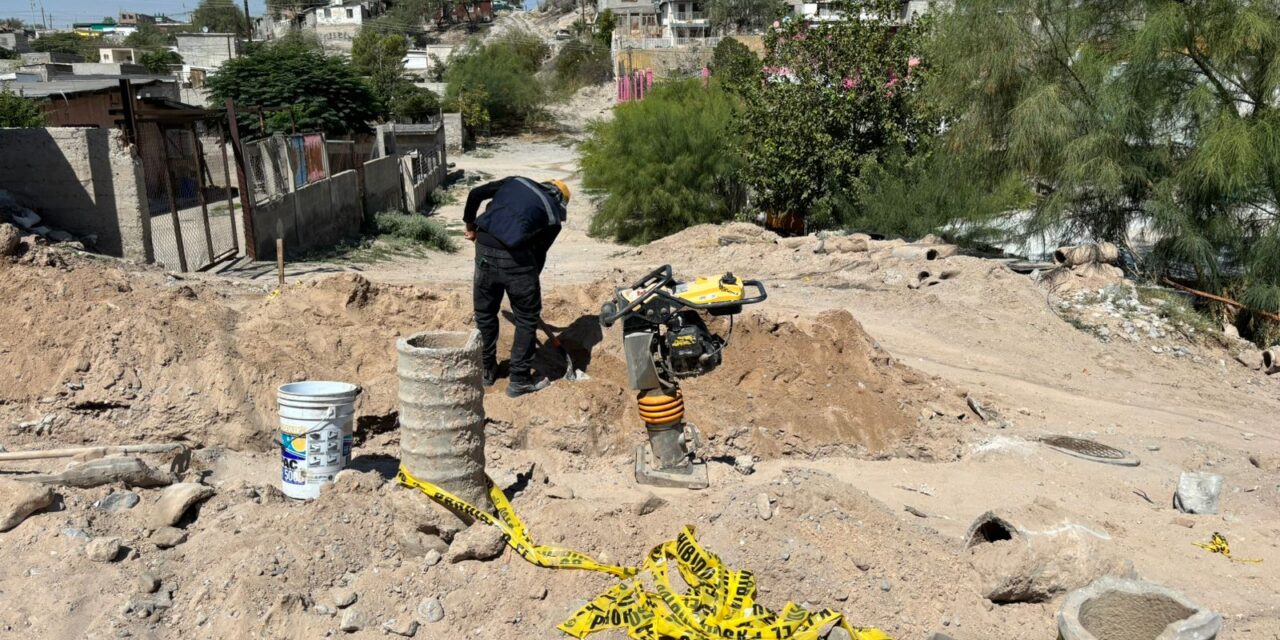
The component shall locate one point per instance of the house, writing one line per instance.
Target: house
(635, 18)
(118, 56)
(168, 25)
(466, 11)
(338, 24)
(682, 20)
(87, 101)
(50, 57)
(204, 53)
(825, 11)
(419, 61)
(131, 19)
(15, 40)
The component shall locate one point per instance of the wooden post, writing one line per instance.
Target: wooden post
(130, 116)
(250, 236)
(280, 261)
(204, 207)
(226, 179)
(173, 199)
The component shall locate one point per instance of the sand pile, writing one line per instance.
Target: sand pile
(104, 354)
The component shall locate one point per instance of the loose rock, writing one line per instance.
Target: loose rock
(120, 501)
(148, 583)
(560, 493)
(407, 628)
(478, 542)
(103, 549)
(763, 507)
(168, 537)
(650, 504)
(21, 499)
(343, 598)
(352, 621)
(175, 501)
(1198, 493)
(10, 239)
(431, 610)
(432, 558)
(746, 465)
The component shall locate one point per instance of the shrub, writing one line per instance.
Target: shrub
(735, 66)
(581, 64)
(664, 163)
(417, 229)
(16, 111)
(501, 75)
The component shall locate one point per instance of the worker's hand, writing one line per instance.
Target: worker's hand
(470, 235)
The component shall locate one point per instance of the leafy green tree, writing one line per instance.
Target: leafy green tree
(742, 16)
(837, 97)
(322, 93)
(8, 54)
(159, 61)
(67, 43)
(148, 36)
(16, 111)
(665, 163)
(735, 66)
(220, 16)
(606, 22)
(1158, 114)
(502, 72)
(414, 104)
(380, 57)
(11, 23)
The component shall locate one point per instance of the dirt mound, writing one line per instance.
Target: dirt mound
(113, 355)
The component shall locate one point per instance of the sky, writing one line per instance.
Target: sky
(65, 12)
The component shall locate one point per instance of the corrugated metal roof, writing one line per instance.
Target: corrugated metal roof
(79, 84)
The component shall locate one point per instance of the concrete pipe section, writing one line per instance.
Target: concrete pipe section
(1119, 609)
(442, 412)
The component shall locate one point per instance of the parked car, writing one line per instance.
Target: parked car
(564, 34)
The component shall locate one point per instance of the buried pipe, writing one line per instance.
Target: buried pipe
(1118, 609)
(920, 252)
(442, 412)
(1071, 256)
(1271, 360)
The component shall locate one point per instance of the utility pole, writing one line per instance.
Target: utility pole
(43, 18)
(582, 4)
(247, 20)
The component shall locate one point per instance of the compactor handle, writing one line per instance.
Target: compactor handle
(611, 312)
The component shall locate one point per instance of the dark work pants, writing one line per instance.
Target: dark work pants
(497, 275)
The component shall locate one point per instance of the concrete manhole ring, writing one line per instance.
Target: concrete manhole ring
(1090, 450)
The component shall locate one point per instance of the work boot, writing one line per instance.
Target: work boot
(490, 375)
(517, 388)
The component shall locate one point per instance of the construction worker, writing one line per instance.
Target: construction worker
(512, 237)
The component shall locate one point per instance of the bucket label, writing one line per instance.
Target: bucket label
(293, 451)
(313, 458)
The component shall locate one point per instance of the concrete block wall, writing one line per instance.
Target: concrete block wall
(382, 191)
(86, 181)
(316, 216)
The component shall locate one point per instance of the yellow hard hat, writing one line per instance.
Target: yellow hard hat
(564, 188)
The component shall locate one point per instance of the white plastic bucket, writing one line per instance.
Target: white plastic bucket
(316, 425)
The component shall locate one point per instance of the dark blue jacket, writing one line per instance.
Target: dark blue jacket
(517, 219)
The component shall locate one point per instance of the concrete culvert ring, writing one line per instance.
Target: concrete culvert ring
(437, 340)
(1118, 609)
(989, 528)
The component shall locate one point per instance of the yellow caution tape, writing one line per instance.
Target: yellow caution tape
(1218, 544)
(720, 602)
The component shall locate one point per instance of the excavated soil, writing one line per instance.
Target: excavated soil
(106, 355)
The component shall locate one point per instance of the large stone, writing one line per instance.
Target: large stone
(1198, 493)
(1118, 609)
(763, 508)
(1037, 552)
(120, 501)
(175, 501)
(478, 542)
(401, 627)
(21, 499)
(168, 537)
(343, 598)
(352, 621)
(103, 549)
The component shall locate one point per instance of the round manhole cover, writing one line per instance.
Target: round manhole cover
(1089, 450)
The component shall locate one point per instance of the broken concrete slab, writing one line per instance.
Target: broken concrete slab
(175, 501)
(132, 472)
(1198, 493)
(1120, 609)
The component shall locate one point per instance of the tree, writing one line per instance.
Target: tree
(9, 54)
(735, 66)
(321, 93)
(16, 111)
(380, 57)
(502, 71)
(11, 23)
(579, 64)
(744, 15)
(414, 104)
(837, 97)
(148, 36)
(605, 25)
(159, 61)
(220, 16)
(1157, 114)
(68, 43)
(665, 163)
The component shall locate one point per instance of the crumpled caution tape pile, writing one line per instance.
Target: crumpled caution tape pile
(720, 602)
(1218, 544)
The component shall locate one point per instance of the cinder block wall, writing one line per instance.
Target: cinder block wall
(86, 181)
